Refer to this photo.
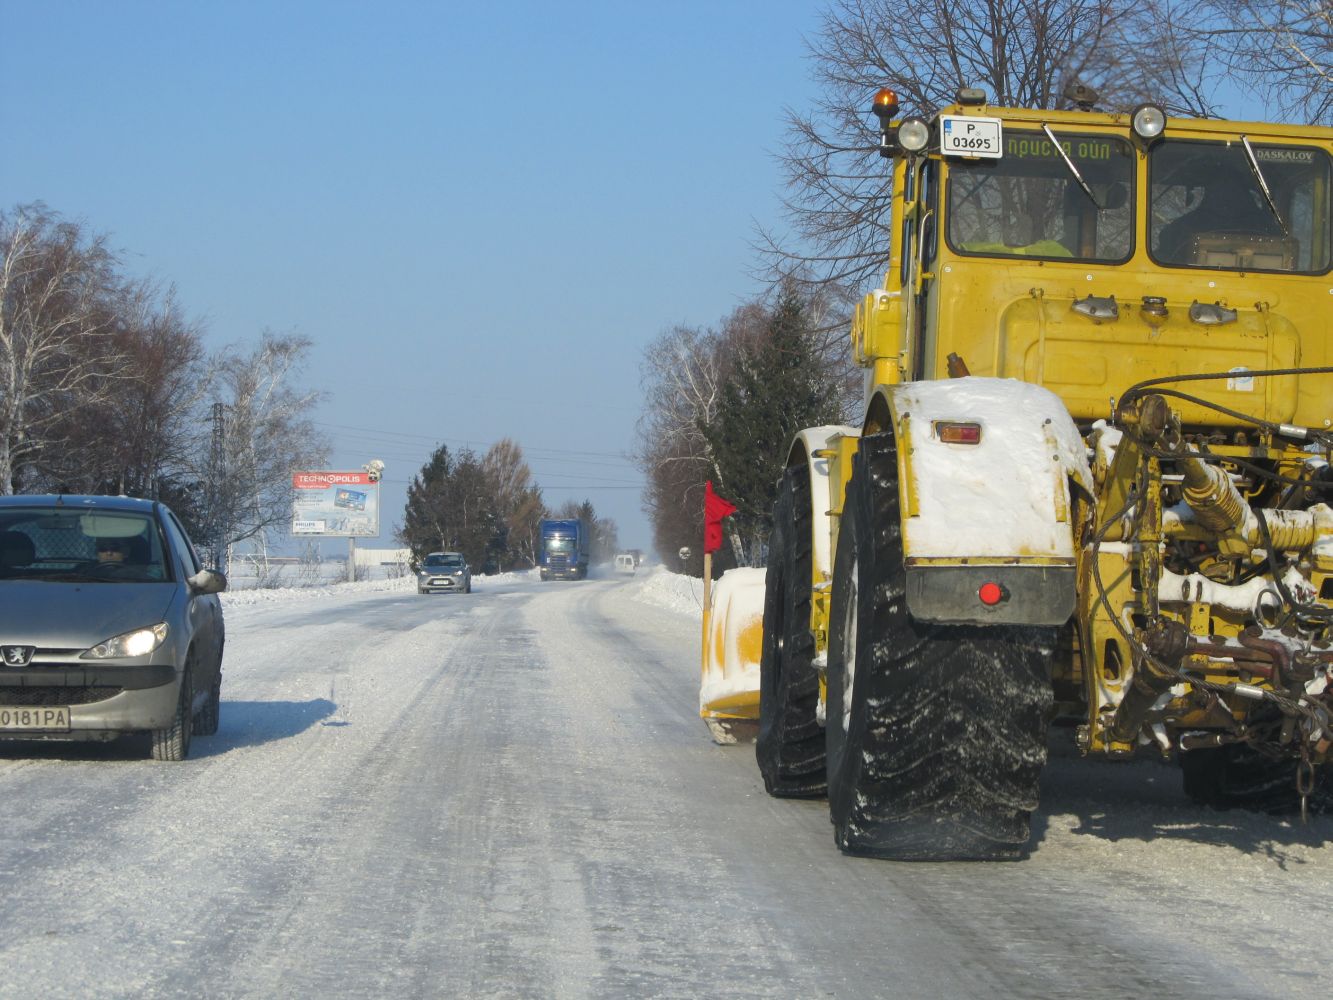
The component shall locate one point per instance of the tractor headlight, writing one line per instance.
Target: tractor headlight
(140, 642)
(913, 134)
(1148, 121)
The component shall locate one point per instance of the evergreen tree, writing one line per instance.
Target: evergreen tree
(426, 524)
(775, 386)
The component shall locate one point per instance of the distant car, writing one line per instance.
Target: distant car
(626, 564)
(109, 624)
(444, 572)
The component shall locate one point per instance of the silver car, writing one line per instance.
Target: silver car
(109, 624)
(442, 572)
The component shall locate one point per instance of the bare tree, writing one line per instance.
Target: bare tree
(518, 501)
(268, 435)
(140, 436)
(681, 375)
(1022, 53)
(57, 352)
(1282, 50)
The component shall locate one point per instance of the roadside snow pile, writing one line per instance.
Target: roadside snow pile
(403, 584)
(282, 595)
(673, 591)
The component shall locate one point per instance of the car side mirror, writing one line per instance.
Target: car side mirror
(208, 581)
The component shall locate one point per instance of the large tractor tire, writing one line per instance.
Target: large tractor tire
(790, 744)
(1238, 776)
(936, 734)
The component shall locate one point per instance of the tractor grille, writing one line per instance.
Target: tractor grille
(28, 696)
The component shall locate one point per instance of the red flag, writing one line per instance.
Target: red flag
(715, 509)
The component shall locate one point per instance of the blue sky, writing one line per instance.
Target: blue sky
(480, 216)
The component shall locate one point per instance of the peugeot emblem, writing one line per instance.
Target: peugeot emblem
(17, 656)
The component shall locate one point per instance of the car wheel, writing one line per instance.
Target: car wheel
(467, 587)
(173, 742)
(206, 721)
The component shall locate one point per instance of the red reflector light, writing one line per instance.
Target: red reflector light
(956, 432)
(991, 594)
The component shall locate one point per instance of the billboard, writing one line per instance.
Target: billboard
(340, 504)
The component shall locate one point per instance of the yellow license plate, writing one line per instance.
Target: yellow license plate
(41, 718)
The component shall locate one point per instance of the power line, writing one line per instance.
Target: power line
(380, 434)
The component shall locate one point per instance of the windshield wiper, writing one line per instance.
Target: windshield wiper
(1070, 164)
(1263, 183)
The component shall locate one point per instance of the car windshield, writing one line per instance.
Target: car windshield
(1028, 203)
(1214, 206)
(554, 544)
(62, 545)
(444, 562)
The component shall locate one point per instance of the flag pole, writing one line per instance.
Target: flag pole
(708, 585)
(715, 509)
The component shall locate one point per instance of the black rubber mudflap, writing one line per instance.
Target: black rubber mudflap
(941, 751)
(790, 743)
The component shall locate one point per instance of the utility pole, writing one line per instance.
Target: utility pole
(217, 473)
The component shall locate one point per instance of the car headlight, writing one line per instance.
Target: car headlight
(140, 642)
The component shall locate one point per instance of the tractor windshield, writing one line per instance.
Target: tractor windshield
(1029, 203)
(1223, 205)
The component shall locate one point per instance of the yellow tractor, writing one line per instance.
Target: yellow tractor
(1090, 486)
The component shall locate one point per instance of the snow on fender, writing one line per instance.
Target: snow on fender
(733, 638)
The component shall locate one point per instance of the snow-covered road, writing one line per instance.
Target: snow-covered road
(510, 794)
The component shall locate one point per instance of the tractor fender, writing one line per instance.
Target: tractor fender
(996, 510)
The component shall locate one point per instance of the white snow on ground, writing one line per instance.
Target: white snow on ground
(239, 594)
(285, 814)
(673, 591)
(656, 586)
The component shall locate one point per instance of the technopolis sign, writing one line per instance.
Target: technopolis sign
(341, 504)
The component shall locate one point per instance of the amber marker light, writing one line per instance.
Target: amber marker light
(885, 104)
(991, 594)
(958, 432)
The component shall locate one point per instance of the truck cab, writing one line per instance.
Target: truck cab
(564, 552)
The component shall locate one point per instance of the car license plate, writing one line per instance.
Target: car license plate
(42, 717)
(962, 135)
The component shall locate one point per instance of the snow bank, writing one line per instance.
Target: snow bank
(673, 591)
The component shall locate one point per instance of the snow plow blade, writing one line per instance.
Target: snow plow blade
(733, 637)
